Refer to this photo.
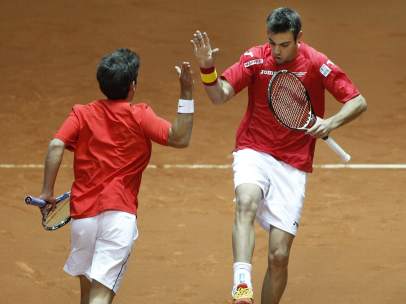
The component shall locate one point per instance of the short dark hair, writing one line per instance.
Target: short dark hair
(284, 19)
(116, 72)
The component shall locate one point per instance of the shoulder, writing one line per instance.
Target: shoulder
(314, 56)
(320, 63)
(254, 56)
(140, 107)
(78, 108)
(140, 110)
(85, 111)
(257, 51)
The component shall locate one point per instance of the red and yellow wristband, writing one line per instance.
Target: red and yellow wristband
(208, 76)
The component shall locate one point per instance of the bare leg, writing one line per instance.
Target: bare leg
(248, 197)
(276, 276)
(84, 289)
(100, 294)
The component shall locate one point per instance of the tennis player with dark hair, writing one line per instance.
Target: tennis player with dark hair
(271, 162)
(111, 140)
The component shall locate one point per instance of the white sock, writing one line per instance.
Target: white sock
(242, 274)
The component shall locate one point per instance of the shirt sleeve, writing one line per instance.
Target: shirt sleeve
(69, 131)
(154, 127)
(336, 81)
(241, 73)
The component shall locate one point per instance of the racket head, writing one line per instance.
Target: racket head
(289, 101)
(57, 218)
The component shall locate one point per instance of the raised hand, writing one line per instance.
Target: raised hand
(186, 80)
(204, 54)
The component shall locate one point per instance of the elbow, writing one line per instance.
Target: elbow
(56, 145)
(180, 144)
(217, 101)
(183, 145)
(363, 104)
(180, 138)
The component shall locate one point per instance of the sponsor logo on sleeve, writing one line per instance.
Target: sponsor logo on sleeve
(253, 62)
(325, 70)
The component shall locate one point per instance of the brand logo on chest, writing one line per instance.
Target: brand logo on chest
(271, 73)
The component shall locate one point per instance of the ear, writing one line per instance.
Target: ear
(133, 86)
(131, 91)
(299, 36)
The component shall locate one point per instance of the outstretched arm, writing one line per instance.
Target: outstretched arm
(349, 111)
(181, 130)
(218, 90)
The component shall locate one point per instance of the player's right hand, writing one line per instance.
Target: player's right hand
(51, 202)
(204, 54)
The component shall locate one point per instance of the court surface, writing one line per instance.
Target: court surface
(351, 245)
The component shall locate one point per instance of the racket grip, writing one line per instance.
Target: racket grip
(31, 200)
(35, 201)
(337, 149)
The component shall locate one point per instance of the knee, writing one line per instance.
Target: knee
(246, 205)
(278, 258)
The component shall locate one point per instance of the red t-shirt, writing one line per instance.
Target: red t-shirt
(259, 130)
(111, 141)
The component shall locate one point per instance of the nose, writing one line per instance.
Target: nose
(277, 50)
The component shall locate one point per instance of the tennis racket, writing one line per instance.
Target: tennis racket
(55, 219)
(291, 106)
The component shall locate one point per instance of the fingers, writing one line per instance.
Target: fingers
(187, 69)
(44, 211)
(184, 69)
(49, 207)
(205, 39)
(215, 51)
(194, 45)
(319, 129)
(52, 204)
(178, 70)
(198, 39)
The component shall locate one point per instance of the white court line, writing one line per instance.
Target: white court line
(361, 166)
(225, 166)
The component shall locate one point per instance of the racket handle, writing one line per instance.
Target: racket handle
(337, 149)
(32, 200)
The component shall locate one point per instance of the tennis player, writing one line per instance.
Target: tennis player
(111, 140)
(271, 162)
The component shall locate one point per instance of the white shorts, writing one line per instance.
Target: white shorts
(283, 188)
(101, 246)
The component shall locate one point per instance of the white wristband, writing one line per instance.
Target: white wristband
(186, 106)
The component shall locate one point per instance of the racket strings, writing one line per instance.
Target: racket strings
(59, 215)
(292, 105)
(290, 102)
(289, 93)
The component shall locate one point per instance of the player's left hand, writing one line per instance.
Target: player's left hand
(321, 128)
(185, 74)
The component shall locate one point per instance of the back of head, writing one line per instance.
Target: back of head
(116, 72)
(284, 19)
